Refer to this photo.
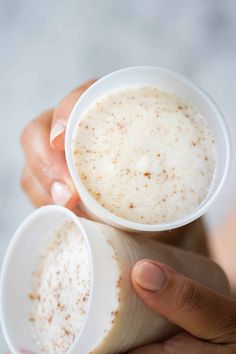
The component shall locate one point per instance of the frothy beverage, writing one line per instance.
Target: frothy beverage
(145, 154)
(81, 298)
(61, 290)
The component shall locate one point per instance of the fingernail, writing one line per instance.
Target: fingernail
(149, 276)
(60, 193)
(57, 130)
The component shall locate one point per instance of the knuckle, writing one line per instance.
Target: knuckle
(31, 128)
(187, 297)
(25, 182)
(26, 133)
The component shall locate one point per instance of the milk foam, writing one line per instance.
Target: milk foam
(144, 154)
(61, 290)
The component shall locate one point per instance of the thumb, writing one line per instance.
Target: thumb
(197, 309)
(61, 115)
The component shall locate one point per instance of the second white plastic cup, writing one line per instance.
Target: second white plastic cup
(117, 320)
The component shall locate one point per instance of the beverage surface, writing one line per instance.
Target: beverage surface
(61, 287)
(144, 154)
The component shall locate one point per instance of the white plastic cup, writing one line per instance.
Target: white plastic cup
(185, 89)
(116, 320)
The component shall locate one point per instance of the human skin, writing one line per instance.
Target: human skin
(207, 318)
(46, 180)
(45, 177)
(222, 246)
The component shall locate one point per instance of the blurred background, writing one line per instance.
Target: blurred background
(49, 47)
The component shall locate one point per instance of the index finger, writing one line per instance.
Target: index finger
(61, 115)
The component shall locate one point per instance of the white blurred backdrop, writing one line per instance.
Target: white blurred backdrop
(49, 47)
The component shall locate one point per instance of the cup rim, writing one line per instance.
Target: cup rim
(105, 215)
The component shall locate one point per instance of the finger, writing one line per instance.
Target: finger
(47, 165)
(197, 309)
(61, 115)
(34, 189)
(184, 343)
